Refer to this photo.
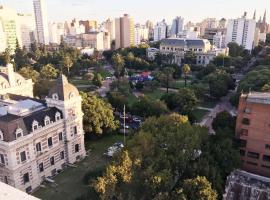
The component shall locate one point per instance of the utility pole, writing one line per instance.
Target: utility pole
(124, 124)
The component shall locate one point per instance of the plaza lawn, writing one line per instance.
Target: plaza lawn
(70, 183)
(179, 84)
(80, 82)
(199, 114)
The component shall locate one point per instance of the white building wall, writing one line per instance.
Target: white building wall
(160, 31)
(26, 24)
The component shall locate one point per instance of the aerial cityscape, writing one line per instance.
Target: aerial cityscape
(134, 100)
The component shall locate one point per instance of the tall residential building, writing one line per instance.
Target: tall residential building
(26, 23)
(124, 32)
(109, 25)
(56, 32)
(252, 130)
(241, 31)
(40, 9)
(160, 31)
(90, 25)
(222, 23)
(177, 26)
(150, 26)
(76, 28)
(8, 20)
(38, 138)
(219, 40)
(141, 34)
(207, 23)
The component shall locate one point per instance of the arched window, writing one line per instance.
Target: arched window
(71, 95)
(57, 116)
(55, 96)
(34, 125)
(47, 120)
(1, 136)
(18, 133)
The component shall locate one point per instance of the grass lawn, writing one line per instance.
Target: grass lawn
(199, 114)
(155, 95)
(105, 74)
(131, 99)
(70, 182)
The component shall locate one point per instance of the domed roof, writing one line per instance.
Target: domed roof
(63, 90)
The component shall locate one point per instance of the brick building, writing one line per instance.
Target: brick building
(253, 131)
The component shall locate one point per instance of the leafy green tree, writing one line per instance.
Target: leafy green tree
(219, 83)
(235, 49)
(121, 85)
(199, 188)
(97, 80)
(48, 72)
(146, 107)
(42, 87)
(184, 101)
(118, 64)
(67, 63)
(29, 73)
(5, 57)
(222, 60)
(223, 120)
(190, 58)
(158, 158)
(186, 71)
(98, 115)
(20, 56)
(266, 88)
(130, 58)
(117, 100)
(165, 77)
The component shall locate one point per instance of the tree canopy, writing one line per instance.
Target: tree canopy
(98, 115)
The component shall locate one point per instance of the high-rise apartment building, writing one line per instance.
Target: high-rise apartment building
(253, 132)
(124, 32)
(177, 26)
(109, 25)
(141, 34)
(160, 31)
(42, 29)
(56, 32)
(8, 20)
(241, 31)
(26, 24)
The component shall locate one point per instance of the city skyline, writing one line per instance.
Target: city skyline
(82, 9)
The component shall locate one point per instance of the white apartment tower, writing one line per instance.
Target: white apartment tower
(124, 32)
(40, 10)
(160, 31)
(177, 26)
(241, 31)
(141, 34)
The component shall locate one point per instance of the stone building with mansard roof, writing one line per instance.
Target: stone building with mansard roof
(38, 138)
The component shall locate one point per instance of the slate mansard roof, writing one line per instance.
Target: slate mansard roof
(183, 42)
(10, 123)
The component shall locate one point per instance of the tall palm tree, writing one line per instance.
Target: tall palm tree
(186, 71)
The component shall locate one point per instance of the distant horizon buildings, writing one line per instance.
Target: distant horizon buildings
(41, 20)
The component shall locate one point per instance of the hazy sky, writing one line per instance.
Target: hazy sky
(141, 10)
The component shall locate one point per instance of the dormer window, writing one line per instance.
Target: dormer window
(55, 96)
(19, 133)
(34, 125)
(1, 136)
(57, 116)
(47, 120)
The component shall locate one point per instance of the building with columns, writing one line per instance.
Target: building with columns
(39, 138)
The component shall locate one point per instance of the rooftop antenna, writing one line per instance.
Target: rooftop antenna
(124, 124)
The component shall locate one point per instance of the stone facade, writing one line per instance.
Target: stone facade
(39, 138)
